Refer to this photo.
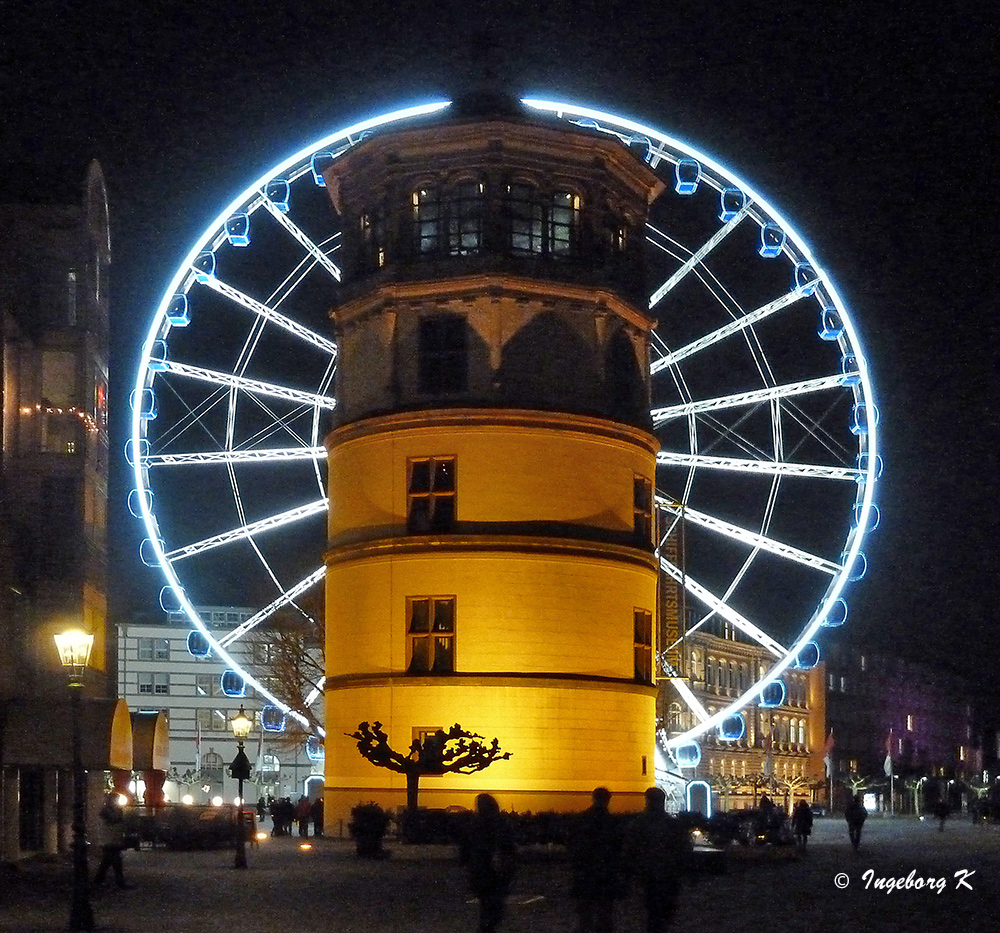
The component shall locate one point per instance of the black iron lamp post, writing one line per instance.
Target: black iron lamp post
(240, 769)
(74, 652)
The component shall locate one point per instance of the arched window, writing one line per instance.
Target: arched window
(697, 667)
(212, 767)
(372, 240)
(564, 212)
(465, 218)
(425, 207)
(526, 219)
(674, 720)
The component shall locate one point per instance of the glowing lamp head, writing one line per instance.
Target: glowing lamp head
(216, 801)
(187, 799)
(74, 648)
(241, 724)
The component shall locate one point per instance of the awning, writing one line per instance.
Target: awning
(39, 733)
(150, 741)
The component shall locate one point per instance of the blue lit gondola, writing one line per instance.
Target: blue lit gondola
(130, 457)
(146, 404)
(233, 684)
(687, 755)
(197, 645)
(170, 601)
(732, 728)
(687, 174)
(148, 554)
(859, 418)
(137, 500)
(314, 748)
(238, 230)
(804, 278)
(773, 694)
(178, 311)
(837, 615)
(319, 162)
(864, 459)
(272, 719)
(808, 656)
(831, 328)
(849, 367)
(278, 192)
(858, 568)
(772, 241)
(874, 517)
(158, 356)
(204, 265)
(731, 202)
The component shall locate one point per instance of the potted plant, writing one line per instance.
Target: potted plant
(367, 827)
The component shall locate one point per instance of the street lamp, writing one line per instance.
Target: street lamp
(74, 652)
(240, 769)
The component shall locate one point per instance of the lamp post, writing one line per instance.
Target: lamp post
(240, 769)
(74, 652)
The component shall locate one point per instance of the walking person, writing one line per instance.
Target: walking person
(596, 856)
(492, 859)
(855, 814)
(802, 822)
(112, 835)
(658, 850)
(316, 812)
(941, 812)
(303, 809)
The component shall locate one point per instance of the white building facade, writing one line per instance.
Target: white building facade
(157, 670)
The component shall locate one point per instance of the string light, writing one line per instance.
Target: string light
(80, 413)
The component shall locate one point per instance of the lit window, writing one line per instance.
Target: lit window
(430, 628)
(564, 209)
(526, 219)
(270, 763)
(909, 723)
(642, 509)
(642, 624)
(154, 649)
(430, 496)
(372, 240)
(426, 212)
(153, 682)
(206, 685)
(465, 219)
(442, 356)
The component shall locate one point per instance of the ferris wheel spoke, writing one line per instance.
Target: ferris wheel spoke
(686, 694)
(249, 530)
(764, 467)
(301, 238)
(261, 455)
(285, 599)
(697, 256)
(734, 327)
(752, 538)
(722, 609)
(269, 314)
(232, 381)
(754, 397)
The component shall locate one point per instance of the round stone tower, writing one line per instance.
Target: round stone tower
(492, 468)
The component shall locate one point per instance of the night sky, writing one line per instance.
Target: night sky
(870, 128)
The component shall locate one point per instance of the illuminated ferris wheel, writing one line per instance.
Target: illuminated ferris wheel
(762, 402)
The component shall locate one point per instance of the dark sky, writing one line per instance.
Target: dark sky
(872, 128)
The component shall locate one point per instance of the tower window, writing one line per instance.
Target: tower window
(443, 355)
(425, 206)
(430, 629)
(465, 218)
(642, 509)
(526, 219)
(430, 495)
(564, 210)
(642, 623)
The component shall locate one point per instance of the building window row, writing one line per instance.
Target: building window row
(153, 683)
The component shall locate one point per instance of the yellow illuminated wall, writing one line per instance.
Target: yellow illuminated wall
(544, 639)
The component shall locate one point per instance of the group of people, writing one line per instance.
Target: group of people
(653, 850)
(285, 815)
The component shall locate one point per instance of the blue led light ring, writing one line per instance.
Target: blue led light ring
(711, 174)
